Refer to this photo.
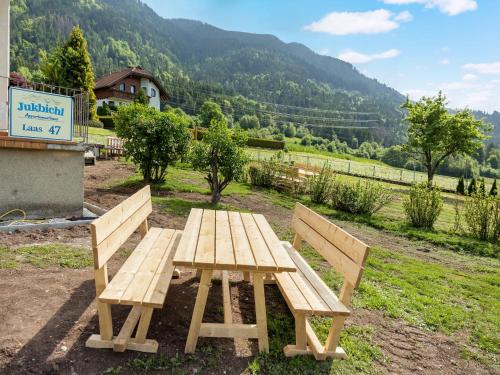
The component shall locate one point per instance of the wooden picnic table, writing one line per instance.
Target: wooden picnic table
(230, 241)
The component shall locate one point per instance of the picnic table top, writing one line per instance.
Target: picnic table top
(226, 240)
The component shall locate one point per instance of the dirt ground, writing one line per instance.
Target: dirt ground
(46, 315)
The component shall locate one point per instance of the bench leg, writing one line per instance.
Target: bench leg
(260, 311)
(199, 310)
(103, 309)
(143, 327)
(334, 334)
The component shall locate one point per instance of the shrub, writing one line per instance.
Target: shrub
(422, 206)
(461, 186)
(153, 139)
(482, 217)
(494, 190)
(96, 124)
(361, 197)
(320, 185)
(265, 143)
(260, 176)
(472, 189)
(107, 122)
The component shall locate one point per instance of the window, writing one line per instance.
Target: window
(121, 87)
(132, 89)
(153, 93)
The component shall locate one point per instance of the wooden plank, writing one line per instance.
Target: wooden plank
(109, 222)
(199, 310)
(318, 306)
(226, 298)
(95, 341)
(120, 343)
(292, 295)
(345, 242)
(115, 240)
(224, 253)
(205, 251)
(246, 331)
(314, 343)
(279, 254)
(121, 281)
(157, 292)
(337, 259)
(242, 249)
(300, 331)
(261, 253)
(186, 249)
(316, 282)
(260, 311)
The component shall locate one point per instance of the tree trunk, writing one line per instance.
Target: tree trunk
(430, 177)
(216, 196)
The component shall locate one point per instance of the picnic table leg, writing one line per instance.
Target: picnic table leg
(260, 311)
(199, 310)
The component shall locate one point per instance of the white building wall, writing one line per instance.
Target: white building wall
(148, 85)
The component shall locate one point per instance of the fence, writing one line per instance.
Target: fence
(354, 168)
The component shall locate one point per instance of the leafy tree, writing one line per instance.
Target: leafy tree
(221, 155)
(141, 97)
(50, 66)
(434, 134)
(306, 140)
(472, 189)
(494, 190)
(153, 139)
(290, 130)
(76, 66)
(210, 111)
(249, 122)
(461, 186)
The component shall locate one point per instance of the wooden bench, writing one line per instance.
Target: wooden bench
(114, 147)
(307, 294)
(143, 280)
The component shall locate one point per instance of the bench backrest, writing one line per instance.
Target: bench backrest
(115, 142)
(110, 231)
(343, 251)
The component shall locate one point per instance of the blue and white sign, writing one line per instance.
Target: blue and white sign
(40, 115)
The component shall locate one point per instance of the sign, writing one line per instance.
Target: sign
(40, 115)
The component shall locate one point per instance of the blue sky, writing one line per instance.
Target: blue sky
(415, 46)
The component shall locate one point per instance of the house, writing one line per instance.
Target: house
(121, 87)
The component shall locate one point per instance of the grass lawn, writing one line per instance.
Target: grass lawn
(99, 135)
(43, 256)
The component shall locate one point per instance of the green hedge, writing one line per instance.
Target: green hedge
(107, 121)
(251, 142)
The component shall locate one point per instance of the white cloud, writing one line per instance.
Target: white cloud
(484, 68)
(361, 58)
(404, 17)
(444, 62)
(469, 77)
(371, 22)
(450, 7)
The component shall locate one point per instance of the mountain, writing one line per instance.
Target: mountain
(197, 61)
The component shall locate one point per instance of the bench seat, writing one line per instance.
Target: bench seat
(144, 278)
(305, 292)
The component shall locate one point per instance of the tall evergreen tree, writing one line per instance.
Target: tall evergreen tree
(494, 190)
(472, 189)
(461, 186)
(76, 66)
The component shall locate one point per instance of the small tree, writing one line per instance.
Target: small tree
(249, 122)
(434, 134)
(461, 186)
(153, 139)
(210, 111)
(220, 154)
(494, 190)
(472, 188)
(141, 97)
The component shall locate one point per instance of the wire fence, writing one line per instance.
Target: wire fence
(355, 168)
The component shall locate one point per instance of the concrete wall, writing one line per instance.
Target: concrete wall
(44, 183)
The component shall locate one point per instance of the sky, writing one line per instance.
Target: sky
(415, 46)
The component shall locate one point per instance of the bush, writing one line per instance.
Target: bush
(494, 190)
(423, 206)
(461, 186)
(259, 175)
(472, 189)
(96, 124)
(482, 217)
(107, 122)
(361, 197)
(320, 185)
(153, 139)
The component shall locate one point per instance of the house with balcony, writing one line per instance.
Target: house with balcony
(121, 87)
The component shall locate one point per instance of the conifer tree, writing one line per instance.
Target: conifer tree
(472, 189)
(76, 66)
(482, 188)
(494, 190)
(461, 186)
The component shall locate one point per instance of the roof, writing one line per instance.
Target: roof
(111, 79)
